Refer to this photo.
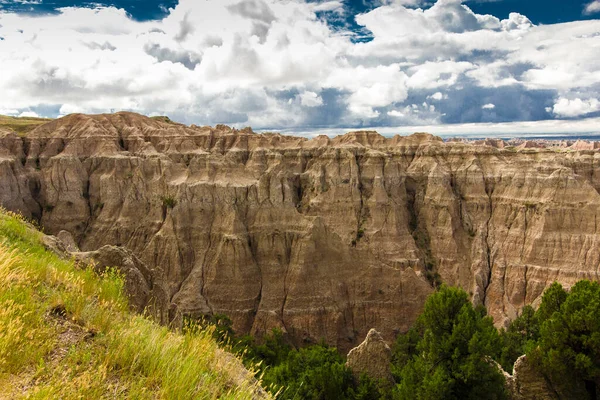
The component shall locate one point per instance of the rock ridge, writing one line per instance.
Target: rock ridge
(324, 238)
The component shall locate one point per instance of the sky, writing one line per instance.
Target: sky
(310, 66)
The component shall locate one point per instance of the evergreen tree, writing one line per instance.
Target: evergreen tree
(313, 373)
(569, 345)
(452, 358)
(520, 336)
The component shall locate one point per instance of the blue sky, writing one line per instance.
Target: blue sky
(309, 66)
(141, 10)
(538, 11)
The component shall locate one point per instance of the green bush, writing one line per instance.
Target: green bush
(169, 201)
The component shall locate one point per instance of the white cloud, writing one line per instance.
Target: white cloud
(30, 114)
(329, 6)
(310, 99)
(516, 21)
(396, 113)
(545, 129)
(592, 7)
(431, 75)
(8, 111)
(575, 107)
(271, 64)
(437, 96)
(488, 106)
(396, 20)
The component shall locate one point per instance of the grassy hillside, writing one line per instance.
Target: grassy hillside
(67, 333)
(21, 125)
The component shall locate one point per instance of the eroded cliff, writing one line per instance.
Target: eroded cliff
(324, 238)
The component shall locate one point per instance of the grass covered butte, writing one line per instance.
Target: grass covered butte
(21, 125)
(67, 333)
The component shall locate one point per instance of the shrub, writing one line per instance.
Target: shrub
(169, 201)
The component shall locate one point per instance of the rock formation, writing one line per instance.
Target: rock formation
(68, 241)
(323, 238)
(527, 383)
(585, 145)
(146, 293)
(143, 286)
(372, 357)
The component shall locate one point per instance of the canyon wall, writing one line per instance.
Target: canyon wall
(323, 238)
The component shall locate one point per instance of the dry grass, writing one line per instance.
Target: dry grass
(67, 333)
(21, 125)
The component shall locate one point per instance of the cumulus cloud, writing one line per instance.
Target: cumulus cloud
(516, 21)
(437, 96)
(187, 58)
(592, 7)
(575, 107)
(283, 65)
(253, 9)
(310, 99)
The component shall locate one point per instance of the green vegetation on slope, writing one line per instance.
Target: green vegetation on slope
(67, 333)
(448, 353)
(21, 125)
(314, 372)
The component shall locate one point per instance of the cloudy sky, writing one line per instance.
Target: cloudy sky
(309, 66)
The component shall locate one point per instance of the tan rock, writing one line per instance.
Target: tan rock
(67, 239)
(323, 238)
(531, 144)
(585, 145)
(372, 357)
(527, 383)
(55, 245)
(144, 290)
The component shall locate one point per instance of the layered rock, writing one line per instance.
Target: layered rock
(323, 238)
(372, 358)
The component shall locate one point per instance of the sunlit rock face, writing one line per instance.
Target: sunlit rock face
(323, 238)
(372, 358)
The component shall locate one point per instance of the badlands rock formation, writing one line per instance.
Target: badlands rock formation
(372, 357)
(324, 238)
(527, 383)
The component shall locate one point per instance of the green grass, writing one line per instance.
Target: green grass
(67, 333)
(21, 125)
